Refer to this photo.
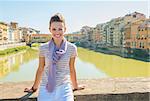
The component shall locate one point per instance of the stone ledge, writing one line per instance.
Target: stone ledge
(103, 97)
(105, 89)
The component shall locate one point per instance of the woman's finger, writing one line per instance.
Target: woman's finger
(28, 90)
(80, 88)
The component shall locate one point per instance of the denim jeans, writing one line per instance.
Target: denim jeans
(61, 93)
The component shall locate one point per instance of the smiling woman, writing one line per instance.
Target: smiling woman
(56, 65)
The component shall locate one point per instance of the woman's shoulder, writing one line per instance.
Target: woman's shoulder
(71, 45)
(44, 46)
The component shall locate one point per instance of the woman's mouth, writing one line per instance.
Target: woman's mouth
(57, 35)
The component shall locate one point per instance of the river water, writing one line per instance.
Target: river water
(22, 66)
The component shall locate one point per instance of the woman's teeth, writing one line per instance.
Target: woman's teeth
(57, 35)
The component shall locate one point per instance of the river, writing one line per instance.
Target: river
(22, 66)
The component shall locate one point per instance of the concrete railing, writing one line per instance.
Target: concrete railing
(102, 97)
(107, 89)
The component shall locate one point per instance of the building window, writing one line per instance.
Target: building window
(134, 16)
(132, 44)
(140, 44)
(137, 36)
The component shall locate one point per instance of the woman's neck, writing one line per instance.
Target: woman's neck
(58, 42)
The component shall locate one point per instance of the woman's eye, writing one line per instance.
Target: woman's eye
(54, 29)
(60, 29)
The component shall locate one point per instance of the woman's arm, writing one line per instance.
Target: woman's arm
(73, 75)
(73, 72)
(39, 72)
(38, 75)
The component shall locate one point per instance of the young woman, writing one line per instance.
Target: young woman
(56, 65)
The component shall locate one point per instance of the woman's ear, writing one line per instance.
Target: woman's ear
(49, 29)
(65, 29)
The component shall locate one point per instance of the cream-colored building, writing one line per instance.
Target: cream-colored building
(25, 33)
(15, 31)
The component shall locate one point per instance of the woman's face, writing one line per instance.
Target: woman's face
(57, 29)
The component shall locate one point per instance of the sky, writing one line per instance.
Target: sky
(77, 13)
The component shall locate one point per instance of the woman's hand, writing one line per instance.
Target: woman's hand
(80, 87)
(32, 90)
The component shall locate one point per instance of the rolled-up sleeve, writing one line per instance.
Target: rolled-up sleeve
(74, 51)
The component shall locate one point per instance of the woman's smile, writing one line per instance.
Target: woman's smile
(57, 35)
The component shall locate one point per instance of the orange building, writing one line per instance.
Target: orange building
(97, 36)
(131, 31)
(143, 36)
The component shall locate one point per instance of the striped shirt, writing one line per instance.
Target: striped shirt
(62, 67)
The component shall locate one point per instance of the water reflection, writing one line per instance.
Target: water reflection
(115, 66)
(90, 65)
(13, 62)
(87, 70)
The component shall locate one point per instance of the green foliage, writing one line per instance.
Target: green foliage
(13, 50)
(35, 45)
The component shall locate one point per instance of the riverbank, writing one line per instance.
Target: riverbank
(120, 89)
(13, 50)
(138, 54)
(16, 47)
(12, 45)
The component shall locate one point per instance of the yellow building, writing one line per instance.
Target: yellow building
(3, 33)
